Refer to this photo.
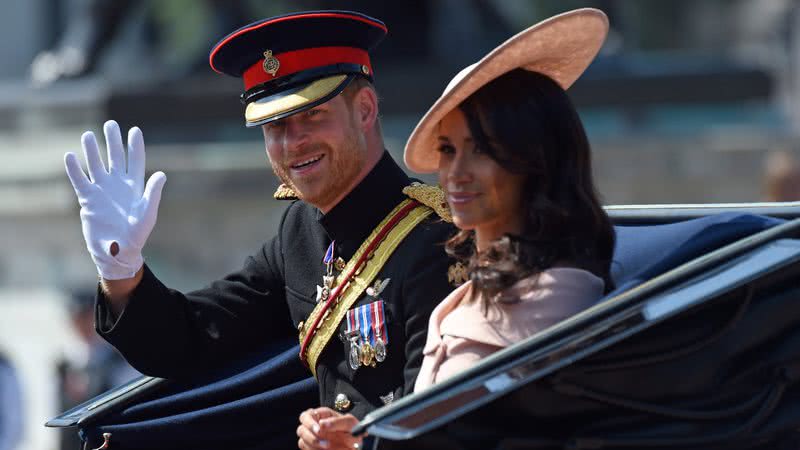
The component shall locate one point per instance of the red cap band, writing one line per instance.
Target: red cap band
(309, 58)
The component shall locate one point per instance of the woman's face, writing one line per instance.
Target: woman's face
(483, 196)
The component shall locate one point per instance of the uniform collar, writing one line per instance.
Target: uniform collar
(352, 219)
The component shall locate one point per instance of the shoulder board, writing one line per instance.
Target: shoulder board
(284, 192)
(430, 196)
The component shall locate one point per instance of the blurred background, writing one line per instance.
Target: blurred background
(690, 102)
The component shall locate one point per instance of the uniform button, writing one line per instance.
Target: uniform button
(342, 403)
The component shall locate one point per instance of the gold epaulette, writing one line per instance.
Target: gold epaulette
(284, 192)
(430, 196)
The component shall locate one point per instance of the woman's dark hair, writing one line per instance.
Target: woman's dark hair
(534, 130)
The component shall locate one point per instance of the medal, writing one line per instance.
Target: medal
(367, 354)
(380, 350)
(378, 326)
(354, 355)
(339, 264)
(364, 313)
(324, 291)
(366, 332)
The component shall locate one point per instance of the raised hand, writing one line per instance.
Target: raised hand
(118, 211)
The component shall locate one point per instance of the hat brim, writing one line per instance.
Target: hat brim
(561, 47)
(295, 100)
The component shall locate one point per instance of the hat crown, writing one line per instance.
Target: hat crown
(237, 51)
(560, 47)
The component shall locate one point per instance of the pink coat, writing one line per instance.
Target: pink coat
(460, 334)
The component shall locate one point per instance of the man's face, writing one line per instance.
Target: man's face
(318, 152)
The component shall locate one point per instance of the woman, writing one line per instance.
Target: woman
(514, 162)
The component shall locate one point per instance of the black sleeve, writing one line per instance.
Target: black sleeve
(165, 333)
(424, 286)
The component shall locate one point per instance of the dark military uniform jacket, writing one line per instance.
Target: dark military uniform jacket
(165, 333)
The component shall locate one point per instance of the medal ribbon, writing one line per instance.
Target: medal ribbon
(351, 323)
(379, 321)
(328, 259)
(366, 324)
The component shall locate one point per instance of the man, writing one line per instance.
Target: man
(357, 264)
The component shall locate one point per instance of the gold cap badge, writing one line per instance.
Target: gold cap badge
(271, 63)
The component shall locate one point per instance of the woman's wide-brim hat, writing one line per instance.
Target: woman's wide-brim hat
(561, 47)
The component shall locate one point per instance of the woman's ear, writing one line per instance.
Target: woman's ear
(366, 108)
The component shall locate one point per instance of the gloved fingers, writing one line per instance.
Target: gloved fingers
(76, 175)
(116, 153)
(93, 162)
(136, 158)
(152, 196)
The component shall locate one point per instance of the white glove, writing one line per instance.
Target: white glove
(116, 206)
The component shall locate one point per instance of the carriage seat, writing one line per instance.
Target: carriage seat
(643, 252)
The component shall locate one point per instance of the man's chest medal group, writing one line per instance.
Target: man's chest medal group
(365, 325)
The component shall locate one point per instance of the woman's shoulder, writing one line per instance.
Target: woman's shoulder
(557, 282)
(569, 274)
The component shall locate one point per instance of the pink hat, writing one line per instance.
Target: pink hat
(561, 47)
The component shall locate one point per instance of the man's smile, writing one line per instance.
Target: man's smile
(307, 164)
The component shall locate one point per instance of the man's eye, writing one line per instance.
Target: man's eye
(276, 125)
(313, 112)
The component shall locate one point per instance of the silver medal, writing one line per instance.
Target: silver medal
(380, 349)
(354, 358)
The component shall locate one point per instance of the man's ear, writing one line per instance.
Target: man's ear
(365, 108)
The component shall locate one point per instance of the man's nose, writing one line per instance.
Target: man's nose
(296, 135)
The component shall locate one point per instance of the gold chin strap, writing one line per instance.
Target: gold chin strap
(326, 327)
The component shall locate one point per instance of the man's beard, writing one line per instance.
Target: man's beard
(345, 163)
